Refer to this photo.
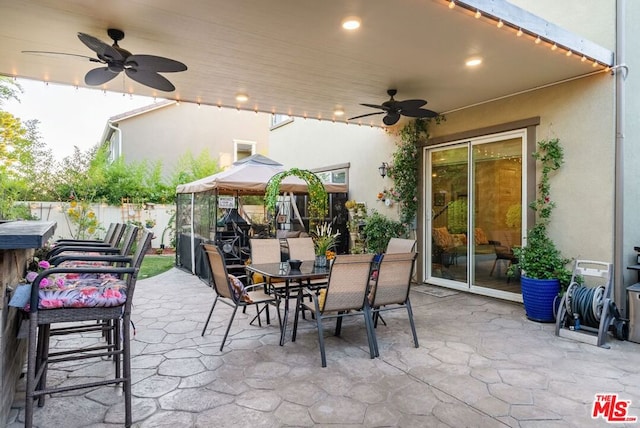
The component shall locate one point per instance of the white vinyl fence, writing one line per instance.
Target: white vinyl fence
(106, 214)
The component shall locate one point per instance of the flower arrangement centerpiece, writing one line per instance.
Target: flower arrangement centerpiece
(324, 241)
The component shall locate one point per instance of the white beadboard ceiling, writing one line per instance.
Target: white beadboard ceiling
(293, 57)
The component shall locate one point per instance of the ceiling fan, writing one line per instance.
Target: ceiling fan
(141, 68)
(394, 109)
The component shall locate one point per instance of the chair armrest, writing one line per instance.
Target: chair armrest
(81, 244)
(82, 249)
(55, 261)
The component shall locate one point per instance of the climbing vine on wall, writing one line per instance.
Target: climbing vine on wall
(318, 204)
(404, 169)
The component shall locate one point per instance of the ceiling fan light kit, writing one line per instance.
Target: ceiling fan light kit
(394, 109)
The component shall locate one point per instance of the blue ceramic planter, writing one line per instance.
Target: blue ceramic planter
(538, 296)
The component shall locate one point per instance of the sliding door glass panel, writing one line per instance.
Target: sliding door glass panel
(449, 213)
(497, 212)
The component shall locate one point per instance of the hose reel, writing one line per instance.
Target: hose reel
(587, 302)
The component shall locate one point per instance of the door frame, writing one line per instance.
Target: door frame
(527, 134)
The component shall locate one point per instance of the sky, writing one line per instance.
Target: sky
(68, 116)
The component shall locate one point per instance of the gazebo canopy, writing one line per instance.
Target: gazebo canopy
(250, 176)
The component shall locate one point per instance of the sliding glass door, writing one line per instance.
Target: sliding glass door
(475, 217)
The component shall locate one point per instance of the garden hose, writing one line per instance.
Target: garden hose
(587, 302)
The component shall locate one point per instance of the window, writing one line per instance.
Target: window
(278, 120)
(243, 149)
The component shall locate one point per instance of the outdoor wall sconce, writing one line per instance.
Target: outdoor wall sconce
(382, 169)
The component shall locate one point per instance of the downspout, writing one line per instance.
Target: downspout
(116, 129)
(619, 294)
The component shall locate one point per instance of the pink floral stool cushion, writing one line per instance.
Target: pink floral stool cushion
(73, 290)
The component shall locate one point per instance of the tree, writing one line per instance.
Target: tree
(25, 162)
(190, 168)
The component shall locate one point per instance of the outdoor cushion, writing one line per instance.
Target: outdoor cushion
(442, 237)
(238, 289)
(73, 290)
(480, 237)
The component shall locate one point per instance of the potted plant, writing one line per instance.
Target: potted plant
(324, 241)
(350, 205)
(378, 230)
(543, 267)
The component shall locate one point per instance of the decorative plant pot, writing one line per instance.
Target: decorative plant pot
(321, 261)
(538, 296)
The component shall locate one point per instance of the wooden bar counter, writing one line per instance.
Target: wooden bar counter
(18, 240)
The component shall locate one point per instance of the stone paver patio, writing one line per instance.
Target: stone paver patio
(480, 363)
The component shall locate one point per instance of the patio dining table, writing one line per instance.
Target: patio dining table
(292, 279)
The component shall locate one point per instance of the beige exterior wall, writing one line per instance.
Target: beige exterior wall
(168, 133)
(313, 144)
(580, 113)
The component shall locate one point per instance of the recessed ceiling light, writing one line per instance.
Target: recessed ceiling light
(351, 23)
(473, 62)
(242, 97)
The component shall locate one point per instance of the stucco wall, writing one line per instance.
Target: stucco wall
(313, 144)
(167, 133)
(581, 114)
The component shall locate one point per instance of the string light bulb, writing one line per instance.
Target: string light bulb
(500, 24)
(452, 4)
(554, 47)
(478, 14)
(583, 59)
(595, 63)
(538, 40)
(519, 33)
(569, 53)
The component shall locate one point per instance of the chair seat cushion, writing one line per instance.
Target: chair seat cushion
(83, 263)
(82, 291)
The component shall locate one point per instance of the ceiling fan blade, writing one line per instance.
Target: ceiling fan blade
(381, 107)
(104, 51)
(365, 115)
(151, 79)
(155, 63)
(391, 119)
(98, 76)
(420, 112)
(47, 53)
(411, 104)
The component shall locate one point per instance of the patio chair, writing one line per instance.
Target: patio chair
(264, 251)
(94, 257)
(345, 296)
(304, 249)
(391, 287)
(228, 293)
(111, 238)
(400, 245)
(301, 249)
(89, 293)
(122, 246)
(504, 253)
